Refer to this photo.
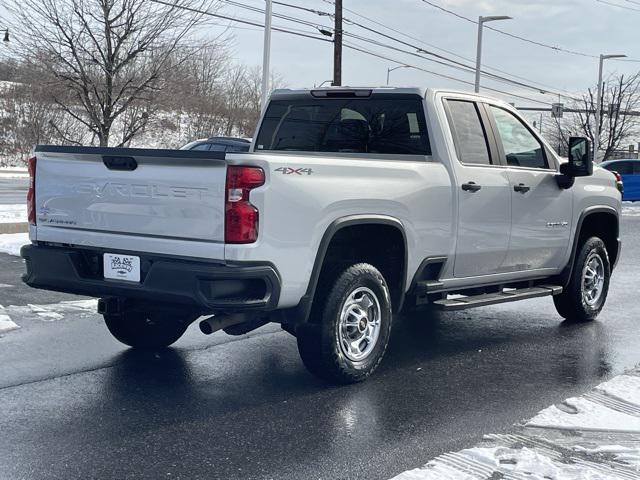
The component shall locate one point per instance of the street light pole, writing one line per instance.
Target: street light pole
(391, 69)
(266, 54)
(596, 135)
(481, 22)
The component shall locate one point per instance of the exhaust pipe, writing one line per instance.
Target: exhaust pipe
(217, 322)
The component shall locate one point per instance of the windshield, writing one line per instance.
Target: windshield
(384, 124)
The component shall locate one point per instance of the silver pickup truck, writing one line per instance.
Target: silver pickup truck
(352, 204)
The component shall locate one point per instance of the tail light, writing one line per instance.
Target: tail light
(619, 183)
(241, 217)
(31, 193)
(618, 176)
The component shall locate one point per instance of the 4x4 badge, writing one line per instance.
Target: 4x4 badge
(294, 171)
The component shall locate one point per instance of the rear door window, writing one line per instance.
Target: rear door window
(380, 124)
(468, 131)
(202, 146)
(623, 168)
(217, 147)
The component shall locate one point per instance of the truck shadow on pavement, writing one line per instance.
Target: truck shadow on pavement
(426, 348)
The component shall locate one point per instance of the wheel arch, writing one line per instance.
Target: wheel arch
(603, 221)
(339, 225)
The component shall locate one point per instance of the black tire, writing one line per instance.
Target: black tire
(572, 304)
(146, 331)
(321, 344)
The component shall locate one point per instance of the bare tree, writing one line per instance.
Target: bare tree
(196, 93)
(619, 120)
(244, 99)
(30, 116)
(111, 56)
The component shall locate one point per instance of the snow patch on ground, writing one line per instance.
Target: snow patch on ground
(593, 437)
(53, 311)
(13, 213)
(587, 416)
(11, 242)
(623, 386)
(508, 463)
(631, 209)
(6, 324)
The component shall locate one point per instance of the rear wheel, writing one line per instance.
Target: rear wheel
(585, 295)
(349, 341)
(146, 330)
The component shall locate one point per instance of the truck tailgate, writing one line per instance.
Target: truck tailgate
(148, 194)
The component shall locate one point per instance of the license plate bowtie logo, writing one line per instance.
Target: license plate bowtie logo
(122, 265)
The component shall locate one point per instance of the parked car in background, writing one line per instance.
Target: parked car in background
(629, 170)
(219, 144)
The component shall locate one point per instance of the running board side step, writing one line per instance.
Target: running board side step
(462, 303)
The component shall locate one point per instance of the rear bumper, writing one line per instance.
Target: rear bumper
(208, 287)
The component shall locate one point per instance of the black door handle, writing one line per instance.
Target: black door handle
(522, 188)
(471, 187)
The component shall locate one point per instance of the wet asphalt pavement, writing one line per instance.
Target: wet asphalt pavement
(76, 404)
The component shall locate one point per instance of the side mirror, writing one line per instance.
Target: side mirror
(580, 161)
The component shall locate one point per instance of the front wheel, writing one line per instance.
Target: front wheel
(146, 330)
(349, 341)
(585, 295)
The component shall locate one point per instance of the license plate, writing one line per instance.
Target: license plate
(122, 267)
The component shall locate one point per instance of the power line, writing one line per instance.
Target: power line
(238, 20)
(518, 37)
(449, 51)
(438, 74)
(277, 15)
(619, 6)
(455, 63)
(502, 32)
(351, 46)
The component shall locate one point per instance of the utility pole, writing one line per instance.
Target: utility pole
(337, 45)
(540, 131)
(266, 53)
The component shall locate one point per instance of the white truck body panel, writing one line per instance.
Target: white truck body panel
(297, 209)
(176, 206)
(166, 205)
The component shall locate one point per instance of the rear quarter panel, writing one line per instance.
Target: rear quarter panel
(296, 209)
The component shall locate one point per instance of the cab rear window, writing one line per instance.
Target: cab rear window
(383, 124)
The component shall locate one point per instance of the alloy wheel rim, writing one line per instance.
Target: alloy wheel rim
(359, 324)
(593, 279)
